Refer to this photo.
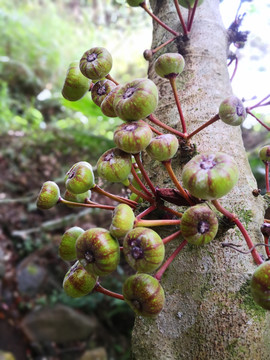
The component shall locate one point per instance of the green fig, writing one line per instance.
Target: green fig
(96, 63)
(144, 294)
(163, 147)
(100, 90)
(80, 178)
(135, 3)
(67, 249)
(77, 198)
(232, 111)
(189, 4)
(260, 285)
(122, 221)
(265, 154)
(48, 195)
(107, 104)
(169, 65)
(210, 176)
(76, 84)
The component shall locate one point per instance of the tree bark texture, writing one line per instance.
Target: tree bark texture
(209, 313)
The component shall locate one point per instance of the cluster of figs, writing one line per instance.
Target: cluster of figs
(96, 252)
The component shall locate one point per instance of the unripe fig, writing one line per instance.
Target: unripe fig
(210, 176)
(144, 294)
(189, 4)
(260, 285)
(48, 195)
(232, 111)
(136, 100)
(78, 198)
(100, 90)
(143, 249)
(67, 248)
(265, 153)
(199, 225)
(98, 251)
(78, 282)
(133, 137)
(76, 84)
(163, 147)
(169, 65)
(80, 178)
(107, 104)
(114, 165)
(148, 54)
(122, 221)
(96, 63)
(134, 3)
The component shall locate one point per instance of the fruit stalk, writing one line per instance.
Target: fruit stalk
(138, 180)
(209, 122)
(112, 79)
(159, 123)
(267, 177)
(151, 223)
(139, 193)
(171, 237)
(174, 89)
(88, 204)
(192, 15)
(102, 290)
(182, 21)
(120, 199)
(144, 174)
(255, 117)
(146, 212)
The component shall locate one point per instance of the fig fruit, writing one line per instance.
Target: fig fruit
(232, 111)
(163, 147)
(67, 248)
(96, 63)
(260, 285)
(265, 153)
(134, 3)
(78, 198)
(76, 85)
(107, 104)
(122, 221)
(189, 4)
(48, 195)
(80, 178)
(100, 90)
(169, 65)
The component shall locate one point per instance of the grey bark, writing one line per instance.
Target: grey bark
(209, 313)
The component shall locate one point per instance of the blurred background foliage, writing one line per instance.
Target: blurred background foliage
(41, 136)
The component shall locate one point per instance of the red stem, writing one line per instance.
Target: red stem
(120, 199)
(161, 271)
(209, 122)
(250, 113)
(144, 174)
(266, 241)
(140, 194)
(235, 69)
(157, 122)
(174, 89)
(176, 213)
(100, 289)
(146, 212)
(240, 226)
(88, 204)
(140, 183)
(143, 5)
(171, 237)
(110, 78)
(162, 45)
(192, 15)
(155, 130)
(182, 21)
(259, 103)
(161, 222)
(267, 177)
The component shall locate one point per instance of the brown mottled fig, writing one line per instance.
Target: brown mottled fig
(265, 153)
(148, 54)
(260, 285)
(144, 294)
(96, 63)
(77, 198)
(76, 85)
(133, 137)
(143, 249)
(114, 165)
(136, 100)
(210, 175)
(122, 221)
(189, 4)
(80, 178)
(107, 104)
(169, 65)
(48, 195)
(100, 90)
(199, 225)
(98, 251)
(67, 248)
(163, 147)
(78, 282)
(232, 111)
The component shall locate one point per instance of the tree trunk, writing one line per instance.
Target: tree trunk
(209, 312)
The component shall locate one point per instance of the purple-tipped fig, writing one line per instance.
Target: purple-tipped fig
(107, 104)
(80, 178)
(232, 111)
(135, 3)
(114, 165)
(48, 195)
(98, 251)
(199, 225)
(76, 84)
(260, 285)
(133, 137)
(96, 63)
(265, 154)
(144, 294)
(100, 90)
(143, 249)
(78, 282)
(77, 198)
(67, 248)
(136, 100)
(189, 4)
(210, 176)
(163, 147)
(122, 221)
(169, 65)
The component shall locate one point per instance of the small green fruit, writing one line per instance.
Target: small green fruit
(76, 84)
(48, 195)
(78, 282)
(133, 137)
(100, 90)
(107, 104)
(98, 251)
(96, 63)
(199, 225)
(136, 100)
(77, 198)
(169, 65)
(122, 221)
(80, 178)
(67, 249)
(260, 285)
(143, 249)
(210, 176)
(189, 4)
(265, 153)
(232, 111)
(144, 294)
(163, 147)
